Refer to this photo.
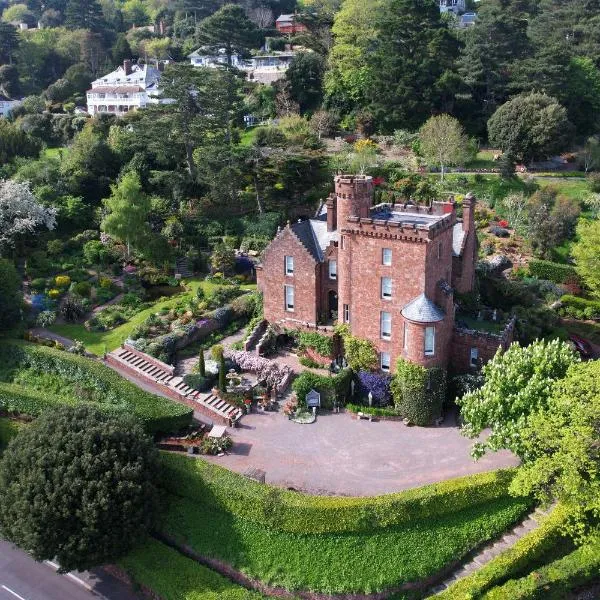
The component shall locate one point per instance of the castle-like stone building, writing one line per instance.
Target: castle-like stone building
(388, 271)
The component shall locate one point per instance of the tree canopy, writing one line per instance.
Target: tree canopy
(518, 383)
(78, 487)
(586, 252)
(443, 142)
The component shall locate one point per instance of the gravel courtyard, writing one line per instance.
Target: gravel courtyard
(342, 456)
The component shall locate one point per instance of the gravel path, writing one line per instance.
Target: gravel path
(49, 335)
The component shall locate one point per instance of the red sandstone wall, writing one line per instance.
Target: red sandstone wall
(272, 279)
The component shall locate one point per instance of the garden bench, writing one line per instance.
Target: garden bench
(362, 415)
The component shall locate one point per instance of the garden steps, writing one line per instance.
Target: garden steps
(150, 369)
(491, 550)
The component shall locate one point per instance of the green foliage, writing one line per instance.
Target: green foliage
(555, 580)
(201, 383)
(545, 269)
(322, 344)
(517, 559)
(418, 392)
(305, 78)
(530, 126)
(333, 388)
(10, 295)
(274, 508)
(174, 577)
(372, 410)
(127, 209)
(586, 251)
(117, 394)
(562, 449)
(8, 430)
(201, 362)
(442, 142)
(518, 383)
(348, 562)
(78, 486)
(222, 259)
(360, 354)
(579, 308)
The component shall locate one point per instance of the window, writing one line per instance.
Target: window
(405, 336)
(386, 258)
(386, 287)
(386, 325)
(333, 269)
(289, 265)
(289, 297)
(474, 356)
(346, 313)
(429, 341)
(385, 361)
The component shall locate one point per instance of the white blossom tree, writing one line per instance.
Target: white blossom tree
(21, 213)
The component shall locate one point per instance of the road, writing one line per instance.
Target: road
(22, 578)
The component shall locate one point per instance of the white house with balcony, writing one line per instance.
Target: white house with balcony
(455, 6)
(127, 88)
(202, 58)
(268, 68)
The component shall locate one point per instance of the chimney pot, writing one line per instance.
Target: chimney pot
(127, 66)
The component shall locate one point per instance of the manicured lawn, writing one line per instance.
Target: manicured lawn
(174, 577)
(573, 187)
(336, 563)
(248, 136)
(98, 342)
(55, 152)
(484, 160)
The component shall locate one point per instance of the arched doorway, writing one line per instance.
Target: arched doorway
(332, 303)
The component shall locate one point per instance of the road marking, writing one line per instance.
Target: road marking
(71, 576)
(12, 592)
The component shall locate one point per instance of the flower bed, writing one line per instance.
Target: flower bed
(267, 371)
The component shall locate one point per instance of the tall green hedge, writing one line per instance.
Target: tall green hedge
(545, 269)
(555, 580)
(156, 412)
(579, 308)
(419, 392)
(275, 508)
(513, 562)
(334, 387)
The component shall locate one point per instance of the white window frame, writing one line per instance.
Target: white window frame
(386, 288)
(288, 292)
(346, 315)
(385, 361)
(385, 318)
(332, 268)
(405, 336)
(429, 335)
(386, 257)
(289, 266)
(473, 356)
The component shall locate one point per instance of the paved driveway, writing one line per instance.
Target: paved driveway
(342, 456)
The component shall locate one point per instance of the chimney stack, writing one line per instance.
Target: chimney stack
(127, 66)
(468, 217)
(331, 205)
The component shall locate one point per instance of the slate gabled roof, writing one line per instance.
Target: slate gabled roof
(304, 232)
(423, 310)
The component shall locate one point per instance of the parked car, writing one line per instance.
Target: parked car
(582, 346)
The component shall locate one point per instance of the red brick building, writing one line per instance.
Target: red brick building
(288, 24)
(388, 271)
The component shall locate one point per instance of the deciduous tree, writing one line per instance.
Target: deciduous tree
(586, 252)
(78, 486)
(518, 384)
(443, 142)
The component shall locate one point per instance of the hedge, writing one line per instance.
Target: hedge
(512, 562)
(551, 271)
(579, 308)
(275, 508)
(156, 412)
(172, 576)
(322, 344)
(331, 388)
(373, 410)
(555, 580)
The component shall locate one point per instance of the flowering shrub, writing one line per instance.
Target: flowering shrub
(291, 406)
(267, 371)
(45, 318)
(62, 281)
(375, 383)
(223, 315)
(503, 223)
(53, 294)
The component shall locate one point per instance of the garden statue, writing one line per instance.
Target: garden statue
(370, 399)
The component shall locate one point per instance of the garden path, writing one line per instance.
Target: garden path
(490, 551)
(114, 300)
(186, 365)
(49, 335)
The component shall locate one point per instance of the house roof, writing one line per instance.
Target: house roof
(141, 75)
(458, 238)
(423, 310)
(114, 89)
(314, 236)
(282, 18)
